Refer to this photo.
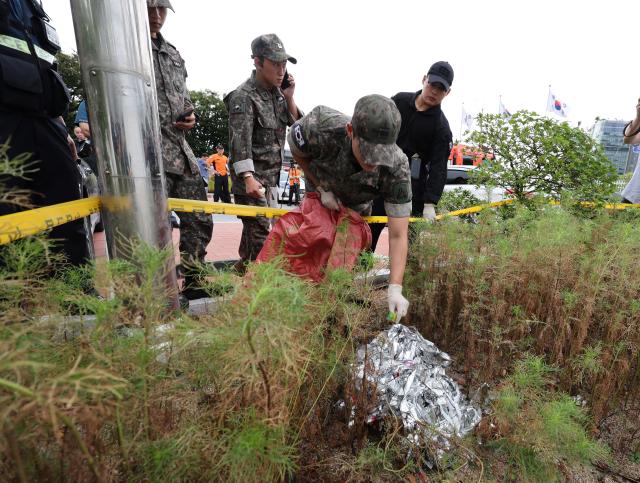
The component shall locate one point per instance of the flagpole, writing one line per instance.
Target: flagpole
(546, 107)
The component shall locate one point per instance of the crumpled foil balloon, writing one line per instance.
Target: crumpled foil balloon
(408, 374)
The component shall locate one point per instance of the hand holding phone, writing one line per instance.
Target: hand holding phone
(285, 82)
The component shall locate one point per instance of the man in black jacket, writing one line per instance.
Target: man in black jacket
(424, 132)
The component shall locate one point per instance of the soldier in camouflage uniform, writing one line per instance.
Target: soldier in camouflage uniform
(180, 165)
(351, 161)
(259, 113)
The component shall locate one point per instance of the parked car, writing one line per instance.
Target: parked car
(283, 187)
(458, 174)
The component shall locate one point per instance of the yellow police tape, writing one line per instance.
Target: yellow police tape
(25, 223)
(194, 206)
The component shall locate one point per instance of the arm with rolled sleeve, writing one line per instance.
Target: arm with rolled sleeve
(396, 192)
(241, 119)
(398, 247)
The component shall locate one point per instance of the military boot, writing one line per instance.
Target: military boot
(192, 289)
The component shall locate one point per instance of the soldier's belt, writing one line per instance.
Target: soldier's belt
(22, 46)
(25, 223)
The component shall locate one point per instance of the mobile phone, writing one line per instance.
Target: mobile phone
(183, 117)
(285, 81)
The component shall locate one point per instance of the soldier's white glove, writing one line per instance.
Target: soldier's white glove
(429, 212)
(398, 305)
(329, 200)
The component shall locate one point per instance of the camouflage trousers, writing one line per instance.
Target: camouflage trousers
(195, 228)
(254, 230)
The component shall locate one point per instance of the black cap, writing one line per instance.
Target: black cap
(441, 72)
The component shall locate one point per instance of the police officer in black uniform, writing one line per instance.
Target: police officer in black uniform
(33, 97)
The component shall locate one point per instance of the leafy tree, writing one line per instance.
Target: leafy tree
(538, 154)
(69, 69)
(213, 123)
(212, 126)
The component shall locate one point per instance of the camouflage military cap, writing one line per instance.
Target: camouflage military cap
(376, 123)
(160, 3)
(271, 47)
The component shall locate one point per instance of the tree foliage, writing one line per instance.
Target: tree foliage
(69, 69)
(212, 126)
(213, 123)
(538, 154)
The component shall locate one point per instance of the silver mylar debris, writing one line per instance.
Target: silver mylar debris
(408, 374)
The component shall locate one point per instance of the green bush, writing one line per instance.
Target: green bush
(544, 281)
(537, 426)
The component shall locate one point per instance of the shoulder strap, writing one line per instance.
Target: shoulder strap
(39, 11)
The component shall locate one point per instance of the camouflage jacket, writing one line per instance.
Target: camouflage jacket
(321, 138)
(258, 120)
(173, 100)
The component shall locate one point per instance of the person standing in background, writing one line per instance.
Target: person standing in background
(177, 116)
(631, 133)
(219, 164)
(260, 109)
(425, 131)
(294, 184)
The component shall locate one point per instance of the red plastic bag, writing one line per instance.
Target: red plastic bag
(314, 238)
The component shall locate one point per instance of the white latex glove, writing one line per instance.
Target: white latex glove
(329, 200)
(429, 212)
(398, 305)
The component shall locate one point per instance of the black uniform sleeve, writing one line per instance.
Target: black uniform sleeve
(437, 157)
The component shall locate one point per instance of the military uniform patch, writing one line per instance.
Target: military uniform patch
(298, 136)
(237, 108)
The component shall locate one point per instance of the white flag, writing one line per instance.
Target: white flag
(556, 106)
(503, 110)
(467, 118)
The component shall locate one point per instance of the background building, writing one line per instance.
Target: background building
(608, 133)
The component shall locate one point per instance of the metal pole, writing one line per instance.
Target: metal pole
(114, 48)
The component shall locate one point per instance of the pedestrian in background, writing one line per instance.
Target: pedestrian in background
(260, 109)
(631, 133)
(177, 116)
(204, 170)
(83, 145)
(294, 184)
(82, 130)
(219, 164)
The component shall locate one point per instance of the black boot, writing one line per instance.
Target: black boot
(192, 290)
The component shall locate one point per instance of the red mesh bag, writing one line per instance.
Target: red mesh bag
(314, 238)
